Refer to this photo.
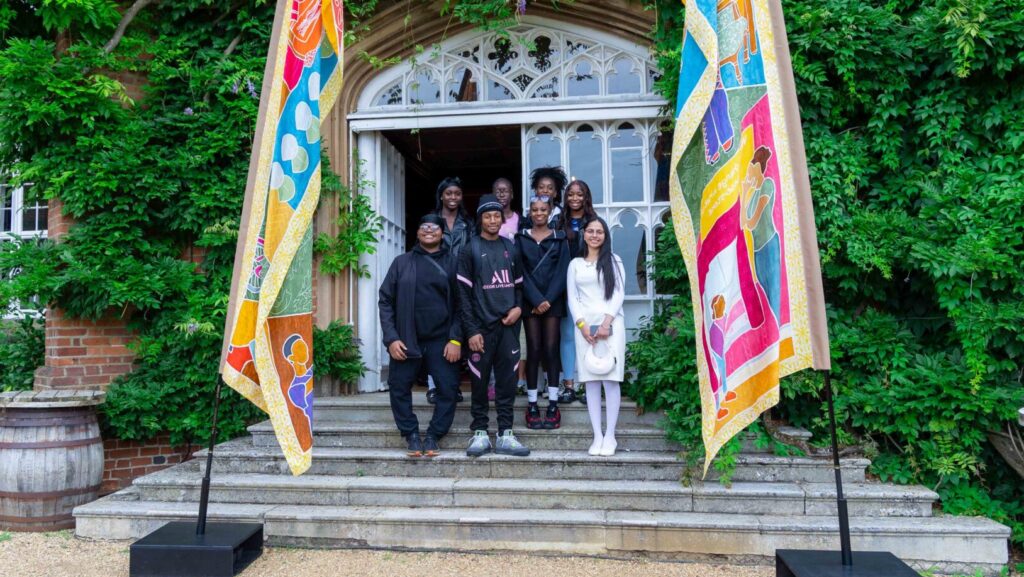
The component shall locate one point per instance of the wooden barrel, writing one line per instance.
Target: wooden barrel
(51, 460)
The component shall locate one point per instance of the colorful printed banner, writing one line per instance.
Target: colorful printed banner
(269, 356)
(742, 213)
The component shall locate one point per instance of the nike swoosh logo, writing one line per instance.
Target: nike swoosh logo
(515, 352)
(483, 255)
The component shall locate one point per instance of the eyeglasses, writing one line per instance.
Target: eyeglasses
(429, 227)
(593, 231)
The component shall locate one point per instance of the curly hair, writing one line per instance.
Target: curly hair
(555, 173)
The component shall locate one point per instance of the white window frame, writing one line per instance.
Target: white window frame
(15, 310)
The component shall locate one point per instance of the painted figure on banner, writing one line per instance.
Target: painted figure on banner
(269, 348)
(731, 216)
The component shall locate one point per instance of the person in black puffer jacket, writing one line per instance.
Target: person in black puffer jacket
(457, 226)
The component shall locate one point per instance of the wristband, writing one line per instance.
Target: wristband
(580, 324)
(455, 342)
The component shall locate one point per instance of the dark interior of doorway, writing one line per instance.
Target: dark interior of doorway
(476, 154)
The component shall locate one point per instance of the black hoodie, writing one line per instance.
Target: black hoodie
(398, 303)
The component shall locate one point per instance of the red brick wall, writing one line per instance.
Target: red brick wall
(125, 461)
(81, 354)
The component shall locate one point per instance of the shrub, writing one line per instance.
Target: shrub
(21, 352)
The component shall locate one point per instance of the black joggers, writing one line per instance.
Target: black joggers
(501, 354)
(401, 377)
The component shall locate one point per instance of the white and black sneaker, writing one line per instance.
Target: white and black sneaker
(479, 445)
(508, 444)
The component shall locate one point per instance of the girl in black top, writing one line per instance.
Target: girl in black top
(549, 181)
(577, 211)
(545, 258)
(458, 226)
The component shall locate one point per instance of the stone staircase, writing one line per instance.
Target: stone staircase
(362, 491)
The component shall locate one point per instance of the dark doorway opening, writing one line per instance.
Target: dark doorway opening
(477, 154)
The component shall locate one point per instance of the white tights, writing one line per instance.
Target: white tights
(613, 400)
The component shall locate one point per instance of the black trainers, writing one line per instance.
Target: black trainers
(533, 418)
(432, 396)
(415, 445)
(430, 448)
(567, 395)
(553, 419)
(581, 395)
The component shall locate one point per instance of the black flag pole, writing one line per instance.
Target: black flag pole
(183, 548)
(844, 515)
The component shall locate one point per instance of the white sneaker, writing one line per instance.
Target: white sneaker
(608, 447)
(595, 447)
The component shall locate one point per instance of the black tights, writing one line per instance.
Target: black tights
(542, 334)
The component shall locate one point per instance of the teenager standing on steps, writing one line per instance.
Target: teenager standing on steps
(457, 227)
(490, 293)
(545, 256)
(595, 292)
(578, 210)
(505, 193)
(418, 317)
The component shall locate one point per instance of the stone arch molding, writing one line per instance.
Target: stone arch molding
(541, 60)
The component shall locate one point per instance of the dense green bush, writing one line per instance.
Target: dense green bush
(336, 352)
(22, 346)
(915, 143)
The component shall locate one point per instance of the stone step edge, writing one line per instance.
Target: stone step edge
(738, 490)
(946, 525)
(245, 449)
(356, 427)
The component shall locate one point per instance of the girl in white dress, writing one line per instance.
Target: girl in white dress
(595, 291)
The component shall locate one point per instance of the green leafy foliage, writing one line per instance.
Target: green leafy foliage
(337, 354)
(358, 226)
(22, 348)
(915, 147)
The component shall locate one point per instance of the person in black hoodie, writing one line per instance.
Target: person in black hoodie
(418, 314)
(490, 295)
(545, 256)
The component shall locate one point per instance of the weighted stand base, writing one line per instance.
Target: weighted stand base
(175, 550)
(802, 563)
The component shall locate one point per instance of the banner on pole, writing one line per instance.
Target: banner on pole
(269, 335)
(742, 213)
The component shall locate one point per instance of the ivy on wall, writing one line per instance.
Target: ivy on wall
(915, 145)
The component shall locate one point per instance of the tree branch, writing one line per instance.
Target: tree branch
(126, 19)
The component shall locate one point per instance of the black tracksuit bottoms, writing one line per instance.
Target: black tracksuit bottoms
(501, 354)
(401, 377)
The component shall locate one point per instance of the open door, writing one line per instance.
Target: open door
(385, 166)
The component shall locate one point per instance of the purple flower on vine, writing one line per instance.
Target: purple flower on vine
(188, 111)
(521, 7)
(251, 88)
(234, 87)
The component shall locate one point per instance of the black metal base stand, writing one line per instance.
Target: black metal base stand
(175, 550)
(806, 563)
(186, 549)
(800, 563)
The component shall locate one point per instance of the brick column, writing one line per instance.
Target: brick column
(81, 354)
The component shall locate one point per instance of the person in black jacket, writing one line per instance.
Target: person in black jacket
(418, 314)
(490, 297)
(458, 227)
(545, 256)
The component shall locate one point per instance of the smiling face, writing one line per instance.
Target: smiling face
(503, 190)
(490, 224)
(546, 187)
(594, 235)
(429, 235)
(539, 212)
(451, 198)
(574, 197)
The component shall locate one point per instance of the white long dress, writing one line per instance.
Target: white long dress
(585, 296)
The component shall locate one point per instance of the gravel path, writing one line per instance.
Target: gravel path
(61, 555)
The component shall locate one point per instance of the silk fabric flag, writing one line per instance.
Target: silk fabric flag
(268, 356)
(742, 213)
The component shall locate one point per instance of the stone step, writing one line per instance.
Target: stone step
(182, 483)
(376, 408)
(385, 436)
(241, 456)
(938, 543)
